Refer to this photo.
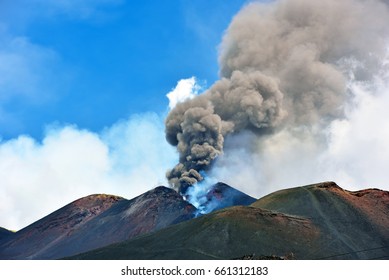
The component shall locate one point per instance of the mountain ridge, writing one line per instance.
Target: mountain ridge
(99, 220)
(93, 221)
(328, 226)
(316, 221)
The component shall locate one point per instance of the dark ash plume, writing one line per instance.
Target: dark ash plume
(282, 64)
(198, 127)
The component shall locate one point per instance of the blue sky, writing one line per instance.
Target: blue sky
(91, 63)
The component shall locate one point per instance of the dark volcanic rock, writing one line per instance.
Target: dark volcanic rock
(320, 221)
(96, 221)
(5, 233)
(222, 196)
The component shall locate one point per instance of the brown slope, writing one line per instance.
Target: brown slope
(53, 228)
(352, 224)
(96, 221)
(312, 222)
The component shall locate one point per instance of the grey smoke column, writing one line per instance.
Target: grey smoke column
(282, 64)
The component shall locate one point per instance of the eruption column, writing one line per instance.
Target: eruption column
(283, 64)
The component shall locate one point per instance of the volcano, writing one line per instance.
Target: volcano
(99, 220)
(320, 221)
(95, 221)
(221, 195)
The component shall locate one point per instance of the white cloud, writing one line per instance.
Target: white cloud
(185, 89)
(358, 146)
(126, 159)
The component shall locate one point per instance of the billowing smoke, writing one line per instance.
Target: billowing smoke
(284, 66)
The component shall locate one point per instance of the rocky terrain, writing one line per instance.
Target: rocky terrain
(221, 195)
(4, 233)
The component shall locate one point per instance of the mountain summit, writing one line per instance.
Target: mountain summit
(221, 196)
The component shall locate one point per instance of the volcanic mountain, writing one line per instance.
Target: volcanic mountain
(95, 221)
(320, 221)
(99, 220)
(221, 195)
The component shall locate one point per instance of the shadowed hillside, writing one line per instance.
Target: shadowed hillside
(4, 233)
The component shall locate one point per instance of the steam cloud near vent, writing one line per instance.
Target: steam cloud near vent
(284, 65)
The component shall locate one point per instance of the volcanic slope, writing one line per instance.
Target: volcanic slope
(95, 221)
(320, 221)
(221, 195)
(353, 225)
(99, 220)
(4, 233)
